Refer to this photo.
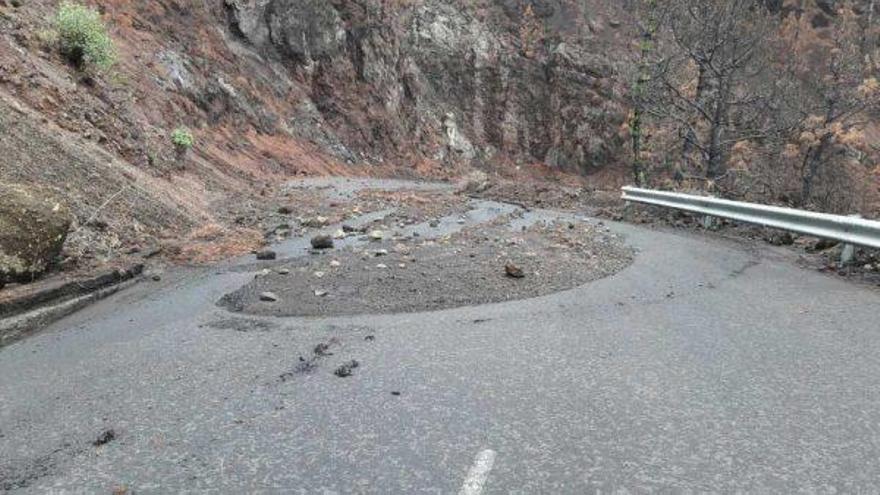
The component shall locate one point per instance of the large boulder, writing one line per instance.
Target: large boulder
(33, 227)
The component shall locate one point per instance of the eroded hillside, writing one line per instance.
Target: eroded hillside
(278, 89)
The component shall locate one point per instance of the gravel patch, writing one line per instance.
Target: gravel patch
(477, 265)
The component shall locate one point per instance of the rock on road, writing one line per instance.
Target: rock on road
(704, 366)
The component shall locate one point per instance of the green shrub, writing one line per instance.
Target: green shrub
(182, 138)
(83, 37)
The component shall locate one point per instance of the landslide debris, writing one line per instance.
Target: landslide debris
(482, 264)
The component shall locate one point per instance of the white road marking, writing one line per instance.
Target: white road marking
(476, 478)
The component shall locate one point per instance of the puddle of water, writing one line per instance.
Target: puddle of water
(300, 246)
(481, 212)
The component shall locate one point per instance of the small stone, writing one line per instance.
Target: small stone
(281, 231)
(267, 255)
(781, 239)
(285, 210)
(316, 222)
(377, 235)
(269, 297)
(105, 438)
(319, 274)
(380, 252)
(348, 229)
(263, 273)
(434, 223)
(346, 369)
(320, 293)
(339, 234)
(514, 271)
(157, 278)
(322, 241)
(335, 264)
(401, 265)
(824, 244)
(284, 271)
(381, 266)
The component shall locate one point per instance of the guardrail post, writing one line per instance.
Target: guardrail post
(709, 222)
(848, 254)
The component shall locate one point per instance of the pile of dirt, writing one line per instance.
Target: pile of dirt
(535, 194)
(415, 206)
(538, 187)
(475, 266)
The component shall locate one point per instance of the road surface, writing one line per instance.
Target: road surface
(707, 365)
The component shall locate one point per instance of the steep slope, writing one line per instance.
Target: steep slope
(366, 80)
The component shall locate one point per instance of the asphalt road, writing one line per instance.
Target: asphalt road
(705, 366)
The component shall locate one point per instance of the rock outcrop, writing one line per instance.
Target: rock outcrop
(445, 80)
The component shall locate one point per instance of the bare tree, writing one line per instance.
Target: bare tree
(758, 101)
(648, 17)
(709, 79)
(834, 97)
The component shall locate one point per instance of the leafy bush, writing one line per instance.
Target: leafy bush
(83, 37)
(182, 138)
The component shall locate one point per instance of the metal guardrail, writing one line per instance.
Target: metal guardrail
(849, 230)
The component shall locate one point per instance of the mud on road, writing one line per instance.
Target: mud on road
(411, 273)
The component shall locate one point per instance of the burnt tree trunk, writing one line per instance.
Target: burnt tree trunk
(812, 164)
(715, 166)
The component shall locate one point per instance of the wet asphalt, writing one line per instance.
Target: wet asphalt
(707, 365)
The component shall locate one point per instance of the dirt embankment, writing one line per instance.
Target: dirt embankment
(101, 142)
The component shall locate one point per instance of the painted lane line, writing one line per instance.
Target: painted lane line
(476, 478)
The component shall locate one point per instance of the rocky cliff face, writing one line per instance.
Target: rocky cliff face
(443, 80)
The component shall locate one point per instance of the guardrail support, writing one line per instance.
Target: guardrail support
(848, 254)
(709, 222)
